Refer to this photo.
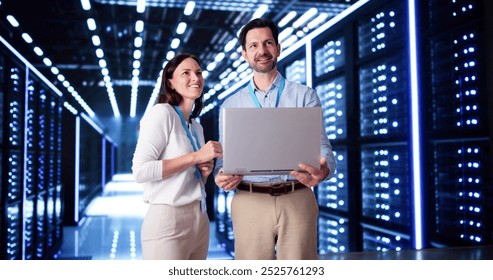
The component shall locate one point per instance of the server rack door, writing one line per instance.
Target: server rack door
(459, 133)
(13, 159)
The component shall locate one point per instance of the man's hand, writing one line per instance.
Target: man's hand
(313, 176)
(227, 182)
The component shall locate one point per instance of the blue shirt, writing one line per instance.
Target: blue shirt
(293, 95)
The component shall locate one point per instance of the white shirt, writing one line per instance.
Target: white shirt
(162, 136)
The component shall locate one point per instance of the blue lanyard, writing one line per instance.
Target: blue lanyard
(195, 144)
(255, 99)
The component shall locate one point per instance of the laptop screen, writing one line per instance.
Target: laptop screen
(270, 141)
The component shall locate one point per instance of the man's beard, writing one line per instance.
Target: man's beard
(265, 68)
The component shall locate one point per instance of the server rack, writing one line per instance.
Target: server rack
(459, 134)
(37, 137)
(88, 165)
(456, 186)
(30, 197)
(43, 167)
(385, 129)
(109, 154)
(13, 74)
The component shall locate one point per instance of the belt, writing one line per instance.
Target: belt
(274, 189)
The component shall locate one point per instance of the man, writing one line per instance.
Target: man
(266, 226)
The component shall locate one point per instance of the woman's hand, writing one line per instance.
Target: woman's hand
(208, 152)
(206, 169)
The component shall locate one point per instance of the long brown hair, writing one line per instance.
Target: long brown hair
(169, 95)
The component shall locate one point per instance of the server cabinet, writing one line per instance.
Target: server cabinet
(331, 83)
(453, 113)
(459, 138)
(90, 169)
(109, 152)
(385, 131)
(13, 84)
(31, 167)
(84, 173)
(294, 68)
(30, 197)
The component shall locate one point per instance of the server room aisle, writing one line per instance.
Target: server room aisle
(111, 227)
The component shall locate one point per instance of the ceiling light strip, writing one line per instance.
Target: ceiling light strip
(189, 8)
(28, 64)
(324, 27)
(141, 6)
(54, 70)
(86, 5)
(139, 27)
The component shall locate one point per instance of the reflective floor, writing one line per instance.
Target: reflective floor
(111, 227)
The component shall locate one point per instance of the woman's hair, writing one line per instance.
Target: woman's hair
(169, 95)
(259, 23)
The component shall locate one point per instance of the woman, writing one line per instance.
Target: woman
(173, 163)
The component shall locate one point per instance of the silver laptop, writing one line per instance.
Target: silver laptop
(270, 141)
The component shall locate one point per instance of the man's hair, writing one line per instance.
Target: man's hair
(258, 23)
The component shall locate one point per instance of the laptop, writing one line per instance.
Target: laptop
(270, 141)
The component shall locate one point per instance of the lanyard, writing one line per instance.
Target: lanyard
(255, 99)
(195, 144)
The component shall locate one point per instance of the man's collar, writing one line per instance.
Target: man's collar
(276, 82)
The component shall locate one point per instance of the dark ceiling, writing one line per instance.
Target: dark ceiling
(59, 28)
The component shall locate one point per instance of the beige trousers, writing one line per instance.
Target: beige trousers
(175, 233)
(275, 227)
